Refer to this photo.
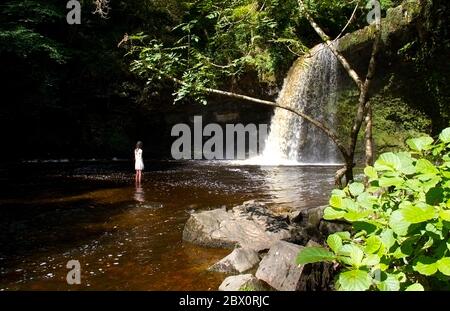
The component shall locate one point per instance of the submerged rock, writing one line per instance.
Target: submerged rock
(245, 282)
(239, 261)
(250, 225)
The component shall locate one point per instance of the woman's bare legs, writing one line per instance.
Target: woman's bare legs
(138, 176)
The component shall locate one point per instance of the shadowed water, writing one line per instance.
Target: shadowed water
(129, 237)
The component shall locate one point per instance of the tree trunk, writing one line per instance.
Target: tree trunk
(369, 138)
(363, 102)
(364, 106)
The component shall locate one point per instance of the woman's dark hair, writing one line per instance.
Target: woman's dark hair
(139, 145)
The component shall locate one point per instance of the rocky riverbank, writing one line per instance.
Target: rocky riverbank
(265, 246)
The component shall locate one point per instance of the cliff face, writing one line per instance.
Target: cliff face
(399, 25)
(410, 93)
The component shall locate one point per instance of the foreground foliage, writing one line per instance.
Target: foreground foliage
(401, 221)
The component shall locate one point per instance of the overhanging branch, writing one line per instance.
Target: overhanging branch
(352, 73)
(250, 99)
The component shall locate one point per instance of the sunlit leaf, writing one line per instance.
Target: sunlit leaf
(355, 280)
(334, 241)
(420, 144)
(314, 254)
(418, 213)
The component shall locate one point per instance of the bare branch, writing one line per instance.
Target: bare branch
(333, 136)
(352, 73)
(300, 113)
(102, 8)
(352, 17)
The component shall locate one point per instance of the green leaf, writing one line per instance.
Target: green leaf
(334, 241)
(426, 167)
(391, 181)
(338, 192)
(398, 253)
(443, 265)
(344, 235)
(336, 201)
(366, 200)
(368, 226)
(407, 165)
(416, 287)
(387, 238)
(390, 284)
(398, 223)
(356, 215)
(445, 135)
(426, 266)
(314, 254)
(445, 214)
(371, 173)
(350, 205)
(387, 162)
(355, 280)
(420, 144)
(418, 213)
(434, 196)
(356, 189)
(352, 253)
(332, 214)
(430, 227)
(373, 244)
(371, 260)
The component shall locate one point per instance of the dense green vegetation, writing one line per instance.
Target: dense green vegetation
(223, 42)
(400, 221)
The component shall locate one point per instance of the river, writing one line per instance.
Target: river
(127, 237)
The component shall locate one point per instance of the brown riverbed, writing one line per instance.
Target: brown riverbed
(127, 237)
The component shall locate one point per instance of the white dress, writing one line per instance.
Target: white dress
(138, 163)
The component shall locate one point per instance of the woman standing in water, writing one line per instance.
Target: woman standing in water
(138, 163)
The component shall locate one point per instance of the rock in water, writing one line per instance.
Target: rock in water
(241, 282)
(239, 261)
(279, 269)
(250, 225)
(203, 229)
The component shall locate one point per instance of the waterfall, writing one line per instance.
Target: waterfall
(310, 86)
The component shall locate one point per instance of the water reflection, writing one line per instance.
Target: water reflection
(139, 194)
(296, 188)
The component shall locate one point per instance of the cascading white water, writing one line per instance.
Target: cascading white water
(310, 86)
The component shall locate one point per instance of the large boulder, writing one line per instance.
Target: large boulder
(250, 225)
(242, 282)
(278, 267)
(279, 270)
(239, 261)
